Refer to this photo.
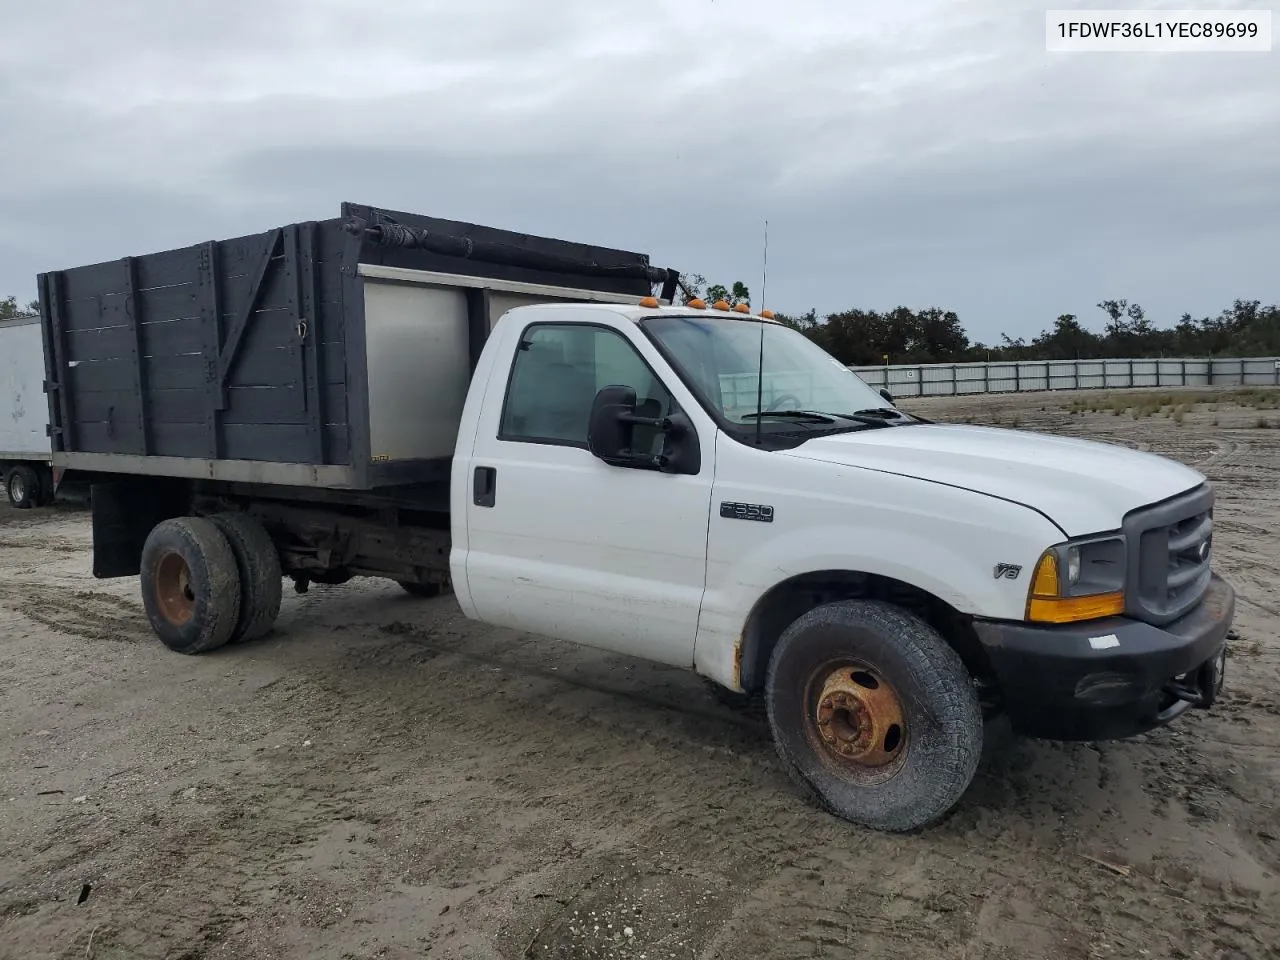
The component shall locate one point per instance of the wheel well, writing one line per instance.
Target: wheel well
(791, 599)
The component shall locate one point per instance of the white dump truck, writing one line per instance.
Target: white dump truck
(538, 426)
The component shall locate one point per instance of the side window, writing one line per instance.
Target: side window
(556, 375)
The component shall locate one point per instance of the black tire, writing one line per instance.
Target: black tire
(23, 487)
(190, 585)
(261, 579)
(426, 591)
(898, 699)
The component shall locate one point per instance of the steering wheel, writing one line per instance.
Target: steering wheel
(780, 401)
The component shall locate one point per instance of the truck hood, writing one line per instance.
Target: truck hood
(1083, 486)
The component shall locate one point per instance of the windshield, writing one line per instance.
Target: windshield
(720, 357)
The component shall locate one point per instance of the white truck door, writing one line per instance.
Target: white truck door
(561, 543)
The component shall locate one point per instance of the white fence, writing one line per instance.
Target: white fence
(949, 379)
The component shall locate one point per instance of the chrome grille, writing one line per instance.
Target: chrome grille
(1170, 556)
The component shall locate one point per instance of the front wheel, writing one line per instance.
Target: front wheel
(874, 714)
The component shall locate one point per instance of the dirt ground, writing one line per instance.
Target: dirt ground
(381, 779)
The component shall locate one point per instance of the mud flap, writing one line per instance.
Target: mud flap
(124, 512)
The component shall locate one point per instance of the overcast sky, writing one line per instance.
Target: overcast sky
(916, 153)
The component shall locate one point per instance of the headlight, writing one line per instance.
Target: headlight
(1073, 565)
(1078, 580)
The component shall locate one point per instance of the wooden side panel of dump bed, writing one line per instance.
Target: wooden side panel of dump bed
(230, 350)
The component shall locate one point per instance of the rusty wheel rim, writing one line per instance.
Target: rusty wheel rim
(858, 719)
(173, 589)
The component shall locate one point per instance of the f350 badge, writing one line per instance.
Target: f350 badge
(1008, 571)
(760, 512)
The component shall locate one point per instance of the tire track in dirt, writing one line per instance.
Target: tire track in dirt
(1226, 453)
(50, 544)
(87, 614)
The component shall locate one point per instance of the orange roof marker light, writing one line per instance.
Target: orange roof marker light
(650, 302)
(742, 308)
(766, 314)
(697, 303)
(720, 305)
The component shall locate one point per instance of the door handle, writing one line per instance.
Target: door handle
(485, 486)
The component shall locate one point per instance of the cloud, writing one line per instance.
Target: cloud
(926, 153)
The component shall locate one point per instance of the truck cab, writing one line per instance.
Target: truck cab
(710, 489)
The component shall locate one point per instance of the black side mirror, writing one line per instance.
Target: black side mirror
(888, 397)
(612, 426)
(609, 430)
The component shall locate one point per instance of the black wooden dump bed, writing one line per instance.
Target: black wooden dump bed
(269, 358)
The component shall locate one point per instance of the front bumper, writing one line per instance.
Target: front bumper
(1113, 678)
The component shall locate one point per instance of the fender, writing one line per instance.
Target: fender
(954, 559)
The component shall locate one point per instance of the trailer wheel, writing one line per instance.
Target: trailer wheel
(873, 714)
(23, 487)
(261, 579)
(190, 585)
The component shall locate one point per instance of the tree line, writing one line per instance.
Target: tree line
(9, 308)
(933, 335)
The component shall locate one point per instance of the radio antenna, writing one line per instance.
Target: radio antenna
(764, 281)
(764, 271)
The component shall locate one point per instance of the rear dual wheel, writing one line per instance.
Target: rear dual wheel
(190, 585)
(873, 714)
(207, 582)
(261, 579)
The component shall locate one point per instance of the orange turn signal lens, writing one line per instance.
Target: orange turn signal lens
(1045, 582)
(649, 302)
(742, 308)
(1075, 609)
(720, 305)
(766, 314)
(697, 303)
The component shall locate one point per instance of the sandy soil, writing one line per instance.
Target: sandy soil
(381, 779)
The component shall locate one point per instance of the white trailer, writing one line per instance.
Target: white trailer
(25, 448)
